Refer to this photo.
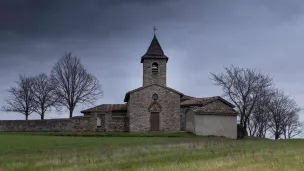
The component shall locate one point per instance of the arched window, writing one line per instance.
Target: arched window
(154, 67)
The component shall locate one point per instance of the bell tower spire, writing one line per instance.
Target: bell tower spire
(154, 64)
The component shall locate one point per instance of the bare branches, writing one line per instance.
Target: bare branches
(262, 108)
(293, 127)
(44, 94)
(73, 83)
(283, 111)
(243, 87)
(68, 85)
(260, 117)
(22, 99)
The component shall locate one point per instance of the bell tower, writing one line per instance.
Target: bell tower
(154, 64)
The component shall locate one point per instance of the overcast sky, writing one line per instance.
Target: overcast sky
(198, 36)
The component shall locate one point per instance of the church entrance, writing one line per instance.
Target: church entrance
(154, 121)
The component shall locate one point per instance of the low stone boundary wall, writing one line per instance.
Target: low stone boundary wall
(82, 123)
(118, 125)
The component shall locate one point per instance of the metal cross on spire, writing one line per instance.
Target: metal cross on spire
(154, 29)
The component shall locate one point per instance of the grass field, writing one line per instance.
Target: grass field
(179, 152)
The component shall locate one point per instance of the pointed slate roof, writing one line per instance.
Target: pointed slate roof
(154, 51)
(155, 48)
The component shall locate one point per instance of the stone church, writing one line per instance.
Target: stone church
(156, 107)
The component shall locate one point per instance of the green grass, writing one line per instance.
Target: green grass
(153, 151)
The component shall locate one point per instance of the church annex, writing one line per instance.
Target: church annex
(156, 107)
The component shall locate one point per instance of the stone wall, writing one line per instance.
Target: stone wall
(154, 78)
(83, 123)
(139, 114)
(101, 125)
(183, 118)
(116, 123)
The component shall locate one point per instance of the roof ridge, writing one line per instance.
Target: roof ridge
(140, 88)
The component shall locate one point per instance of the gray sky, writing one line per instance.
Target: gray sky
(198, 36)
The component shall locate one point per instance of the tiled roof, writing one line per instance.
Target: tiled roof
(208, 105)
(107, 107)
(185, 97)
(154, 51)
(193, 101)
(140, 88)
(214, 109)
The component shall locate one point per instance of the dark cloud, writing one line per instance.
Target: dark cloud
(110, 36)
(55, 19)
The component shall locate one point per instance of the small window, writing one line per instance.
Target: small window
(155, 96)
(154, 67)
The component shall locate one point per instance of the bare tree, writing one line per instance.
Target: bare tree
(292, 126)
(44, 94)
(282, 110)
(22, 97)
(259, 120)
(243, 87)
(73, 83)
(259, 124)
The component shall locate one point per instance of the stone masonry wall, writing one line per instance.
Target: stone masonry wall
(49, 125)
(139, 114)
(154, 78)
(116, 124)
(102, 126)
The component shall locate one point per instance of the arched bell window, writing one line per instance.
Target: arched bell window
(154, 67)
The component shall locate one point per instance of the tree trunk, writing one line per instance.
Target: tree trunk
(245, 126)
(250, 134)
(71, 113)
(242, 121)
(26, 116)
(277, 136)
(246, 121)
(250, 130)
(42, 112)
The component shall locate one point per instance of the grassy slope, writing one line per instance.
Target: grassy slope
(37, 152)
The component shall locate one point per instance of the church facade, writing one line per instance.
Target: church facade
(156, 107)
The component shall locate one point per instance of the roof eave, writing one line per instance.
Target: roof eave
(153, 57)
(215, 113)
(127, 96)
(218, 114)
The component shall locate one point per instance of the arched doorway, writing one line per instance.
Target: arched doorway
(154, 109)
(154, 121)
